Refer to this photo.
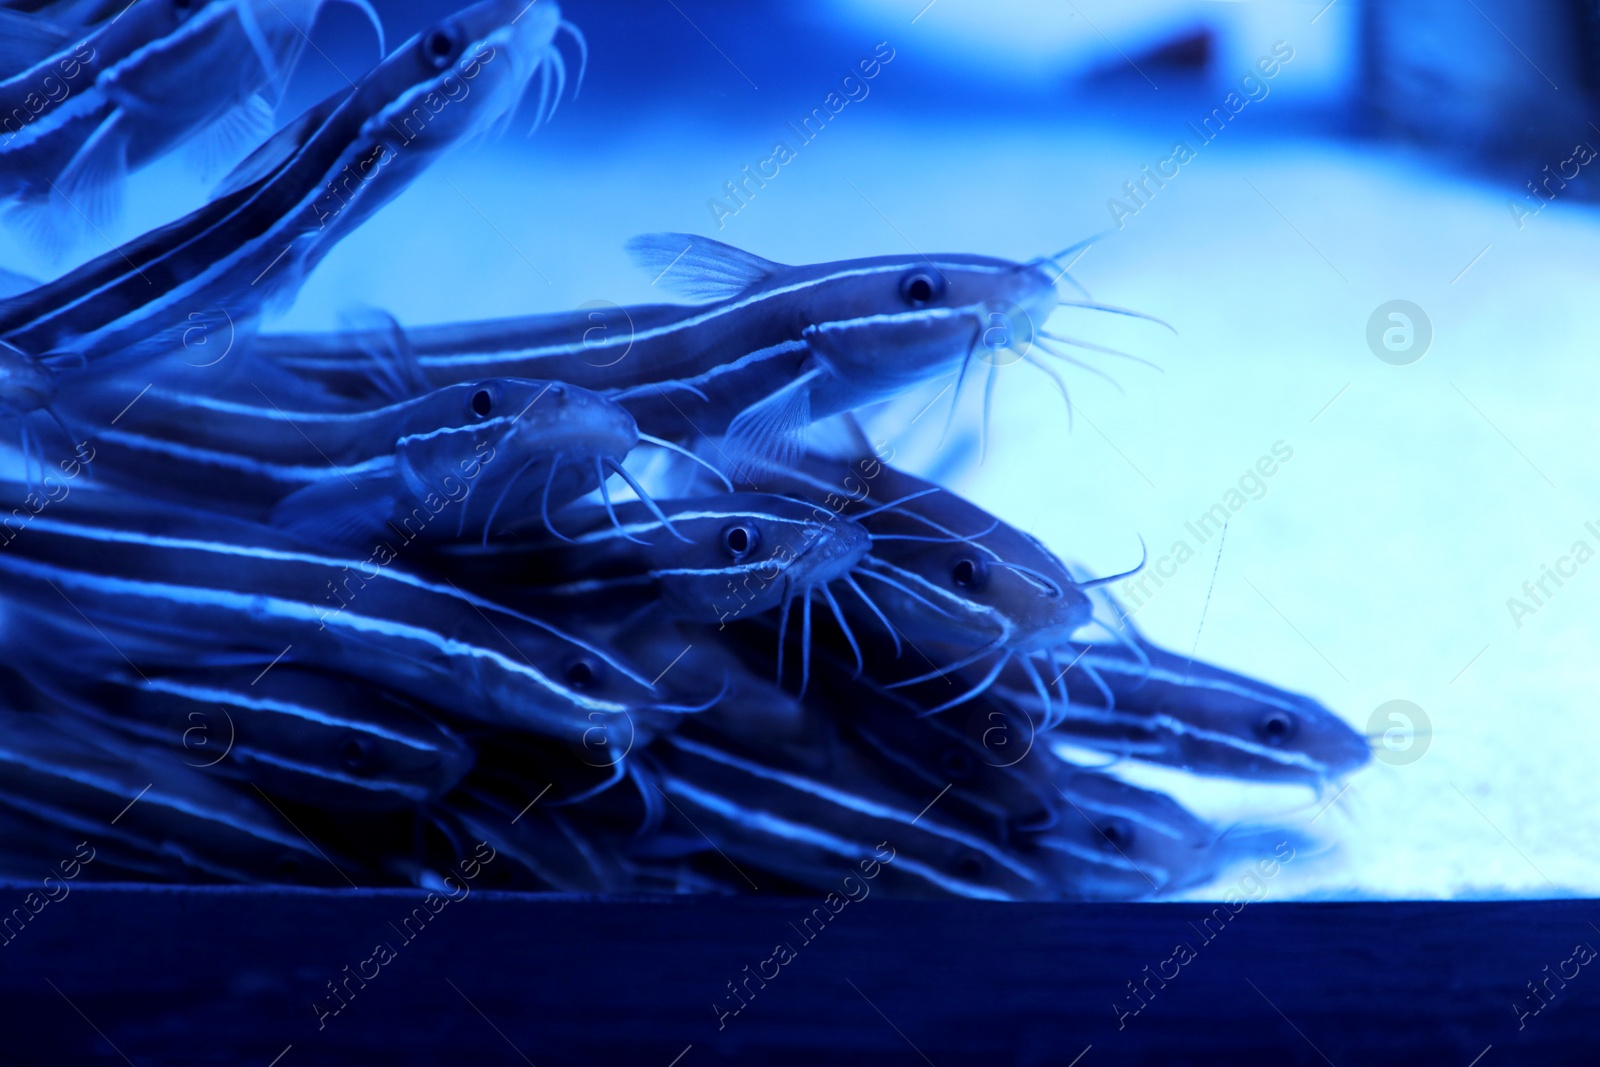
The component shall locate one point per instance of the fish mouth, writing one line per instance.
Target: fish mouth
(574, 441)
(828, 556)
(1055, 632)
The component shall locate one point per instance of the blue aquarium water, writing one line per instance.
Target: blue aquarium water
(1346, 436)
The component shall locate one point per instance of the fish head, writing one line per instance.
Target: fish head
(604, 705)
(1002, 588)
(1263, 734)
(463, 75)
(487, 434)
(889, 323)
(745, 553)
(1211, 721)
(1117, 841)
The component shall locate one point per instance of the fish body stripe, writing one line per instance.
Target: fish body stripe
(766, 823)
(194, 581)
(259, 606)
(108, 306)
(453, 346)
(288, 476)
(250, 550)
(851, 802)
(234, 698)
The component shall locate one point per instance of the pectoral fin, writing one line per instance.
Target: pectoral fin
(226, 140)
(91, 181)
(770, 434)
(339, 511)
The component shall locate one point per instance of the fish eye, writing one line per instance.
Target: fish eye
(439, 48)
(739, 540)
(1275, 727)
(968, 573)
(583, 672)
(355, 752)
(482, 403)
(920, 288)
(1116, 833)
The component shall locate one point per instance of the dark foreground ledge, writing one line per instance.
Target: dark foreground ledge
(239, 976)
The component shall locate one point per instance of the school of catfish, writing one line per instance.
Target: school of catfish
(644, 612)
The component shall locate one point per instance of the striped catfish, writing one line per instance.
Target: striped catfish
(804, 824)
(692, 661)
(36, 845)
(342, 475)
(287, 205)
(778, 346)
(64, 771)
(996, 773)
(1064, 824)
(714, 559)
(171, 588)
(944, 572)
(244, 457)
(27, 37)
(812, 831)
(299, 734)
(1171, 709)
(60, 16)
(138, 85)
(522, 450)
(731, 558)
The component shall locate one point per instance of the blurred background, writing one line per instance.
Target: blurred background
(1267, 177)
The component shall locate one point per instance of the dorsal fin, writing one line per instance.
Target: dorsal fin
(392, 367)
(699, 267)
